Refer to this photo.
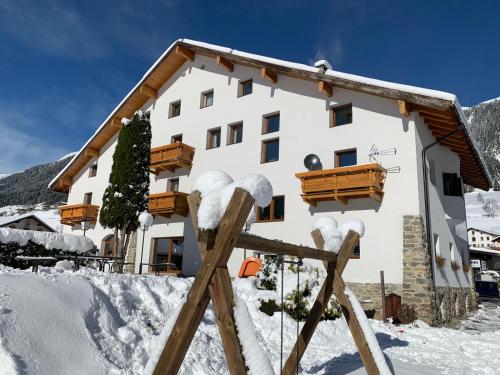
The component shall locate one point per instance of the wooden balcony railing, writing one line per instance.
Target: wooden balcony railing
(74, 214)
(168, 204)
(170, 157)
(342, 184)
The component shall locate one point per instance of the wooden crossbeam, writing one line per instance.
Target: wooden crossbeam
(225, 63)
(185, 52)
(148, 91)
(404, 108)
(197, 299)
(325, 88)
(116, 123)
(264, 245)
(269, 74)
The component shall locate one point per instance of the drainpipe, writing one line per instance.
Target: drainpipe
(428, 228)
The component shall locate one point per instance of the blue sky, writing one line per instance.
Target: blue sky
(64, 65)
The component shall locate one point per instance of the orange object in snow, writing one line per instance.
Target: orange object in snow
(250, 267)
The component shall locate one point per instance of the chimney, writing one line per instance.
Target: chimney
(323, 65)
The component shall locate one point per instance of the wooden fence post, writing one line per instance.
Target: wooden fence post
(382, 291)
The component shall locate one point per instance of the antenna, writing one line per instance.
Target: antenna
(312, 162)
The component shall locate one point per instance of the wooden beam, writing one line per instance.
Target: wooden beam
(148, 91)
(447, 113)
(65, 181)
(326, 88)
(185, 52)
(197, 299)
(225, 63)
(438, 119)
(221, 294)
(116, 123)
(91, 152)
(269, 74)
(404, 108)
(322, 299)
(264, 245)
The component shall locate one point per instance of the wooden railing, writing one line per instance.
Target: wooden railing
(74, 214)
(170, 157)
(342, 184)
(167, 204)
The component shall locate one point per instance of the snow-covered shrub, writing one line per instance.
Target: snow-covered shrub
(440, 261)
(296, 304)
(333, 310)
(266, 278)
(269, 307)
(455, 266)
(9, 252)
(406, 314)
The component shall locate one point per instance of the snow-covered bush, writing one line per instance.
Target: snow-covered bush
(9, 252)
(296, 304)
(269, 307)
(333, 310)
(267, 276)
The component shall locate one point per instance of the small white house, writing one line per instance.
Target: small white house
(392, 155)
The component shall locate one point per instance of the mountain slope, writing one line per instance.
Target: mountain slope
(30, 186)
(484, 119)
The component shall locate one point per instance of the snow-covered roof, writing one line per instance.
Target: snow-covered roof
(173, 56)
(6, 220)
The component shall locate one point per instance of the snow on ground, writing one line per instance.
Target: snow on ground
(49, 216)
(87, 322)
(475, 213)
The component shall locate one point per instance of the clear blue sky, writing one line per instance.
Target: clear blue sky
(64, 65)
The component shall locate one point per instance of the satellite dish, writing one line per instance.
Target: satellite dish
(312, 162)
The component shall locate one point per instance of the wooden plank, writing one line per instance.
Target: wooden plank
(322, 299)
(269, 74)
(196, 302)
(116, 123)
(185, 52)
(148, 91)
(221, 293)
(325, 88)
(91, 152)
(264, 245)
(404, 108)
(225, 63)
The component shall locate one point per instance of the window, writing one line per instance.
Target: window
(452, 252)
(173, 184)
(432, 172)
(93, 170)
(346, 158)
(270, 150)
(108, 245)
(168, 254)
(271, 123)
(176, 138)
(473, 239)
(207, 99)
(245, 87)
(87, 198)
(274, 212)
(437, 248)
(341, 115)
(175, 109)
(213, 138)
(235, 133)
(452, 185)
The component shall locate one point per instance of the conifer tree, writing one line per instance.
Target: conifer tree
(126, 195)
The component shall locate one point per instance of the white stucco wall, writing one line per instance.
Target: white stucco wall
(304, 129)
(447, 213)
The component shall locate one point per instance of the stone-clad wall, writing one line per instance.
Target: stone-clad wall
(417, 278)
(131, 252)
(370, 295)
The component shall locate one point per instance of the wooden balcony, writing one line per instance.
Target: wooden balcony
(342, 184)
(170, 157)
(168, 204)
(74, 214)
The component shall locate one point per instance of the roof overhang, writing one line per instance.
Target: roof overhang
(440, 110)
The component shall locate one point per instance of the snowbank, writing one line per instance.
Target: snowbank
(334, 236)
(217, 188)
(371, 340)
(65, 242)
